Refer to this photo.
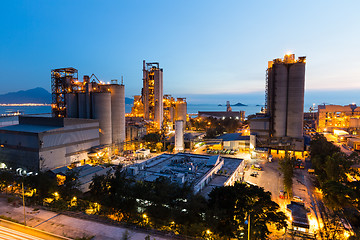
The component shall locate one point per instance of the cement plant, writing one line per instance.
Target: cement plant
(159, 166)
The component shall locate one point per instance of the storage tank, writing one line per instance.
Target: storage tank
(101, 110)
(279, 76)
(118, 112)
(71, 105)
(295, 106)
(83, 105)
(179, 136)
(181, 109)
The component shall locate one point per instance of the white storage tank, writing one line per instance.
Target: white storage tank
(179, 136)
(118, 112)
(101, 110)
(181, 109)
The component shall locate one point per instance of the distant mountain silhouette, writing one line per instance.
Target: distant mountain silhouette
(129, 100)
(35, 95)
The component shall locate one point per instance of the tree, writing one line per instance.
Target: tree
(6, 178)
(70, 187)
(337, 195)
(230, 206)
(287, 169)
(151, 139)
(44, 184)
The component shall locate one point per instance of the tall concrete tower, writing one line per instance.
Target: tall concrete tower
(152, 93)
(285, 97)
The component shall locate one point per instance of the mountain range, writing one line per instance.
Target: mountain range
(35, 95)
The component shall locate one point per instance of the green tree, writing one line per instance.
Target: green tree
(230, 206)
(44, 184)
(337, 195)
(71, 184)
(6, 178)
(287, 169)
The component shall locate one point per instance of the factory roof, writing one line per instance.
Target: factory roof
(28, 128)
(233, 137)
(186, 167)
(299, 214)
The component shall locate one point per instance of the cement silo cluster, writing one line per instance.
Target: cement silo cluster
(285, 97)
(90, 100)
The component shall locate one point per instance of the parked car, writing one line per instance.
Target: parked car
(282, 194)
(254, 174)
(297, 199)
(256, 167)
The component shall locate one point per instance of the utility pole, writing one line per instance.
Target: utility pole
(249, 228)
(23, 195)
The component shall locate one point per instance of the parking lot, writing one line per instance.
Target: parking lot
(270, 178)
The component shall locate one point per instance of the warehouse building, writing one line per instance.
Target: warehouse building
(42, 143)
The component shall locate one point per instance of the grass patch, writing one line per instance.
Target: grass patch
(9, 219)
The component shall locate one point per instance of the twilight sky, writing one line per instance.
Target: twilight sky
(205, 47)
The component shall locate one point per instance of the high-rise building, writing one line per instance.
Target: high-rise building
(152, 93)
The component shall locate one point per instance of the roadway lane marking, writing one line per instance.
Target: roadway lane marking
(14, 233)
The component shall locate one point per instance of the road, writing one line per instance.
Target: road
(14, 231)
(71, 227)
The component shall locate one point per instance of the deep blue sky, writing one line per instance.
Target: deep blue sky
(205, 47)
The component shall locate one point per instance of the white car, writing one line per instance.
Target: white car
(297, 199)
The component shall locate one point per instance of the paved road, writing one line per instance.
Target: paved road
(69, 226)
(9, 234)
(14, 231)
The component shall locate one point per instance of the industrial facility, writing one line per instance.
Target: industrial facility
(203, 172)
(152, 93)
(42, 143)
(281, 126)
(337, 117)
(87, 99)
(158, 111)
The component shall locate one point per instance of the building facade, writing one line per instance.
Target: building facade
(41, 143)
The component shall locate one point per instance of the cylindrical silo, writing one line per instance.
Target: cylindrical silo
(296, 100)
(181, 109)
(179, 136)
(118, 112)
(83, 105)
(101, 110)
(71, 105)
(171, 113)
(280, 77)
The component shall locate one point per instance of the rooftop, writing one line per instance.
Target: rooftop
(186, 167)
(28, 128)
(233, 137)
